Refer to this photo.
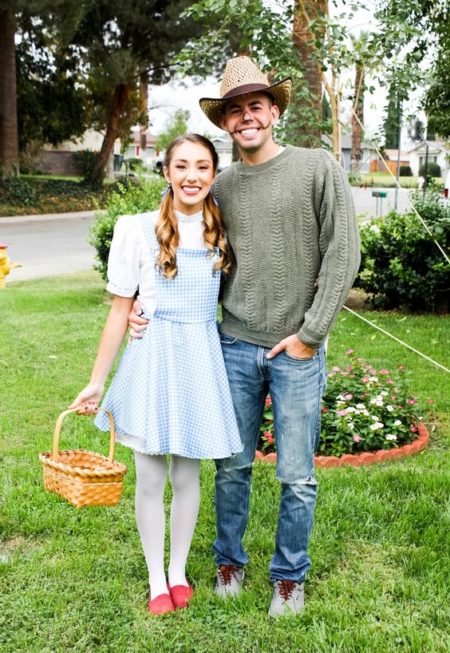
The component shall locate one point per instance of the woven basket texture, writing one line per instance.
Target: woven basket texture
(83, 478)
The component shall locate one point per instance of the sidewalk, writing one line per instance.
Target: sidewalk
(12, 219)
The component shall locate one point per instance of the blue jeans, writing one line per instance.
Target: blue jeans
(296, 387)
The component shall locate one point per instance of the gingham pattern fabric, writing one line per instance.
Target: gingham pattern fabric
(171, 391)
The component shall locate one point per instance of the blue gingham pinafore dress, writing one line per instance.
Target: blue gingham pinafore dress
(171, 392)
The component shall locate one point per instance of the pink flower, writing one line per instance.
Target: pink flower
(413, 428)
(365, 379)
(411, 402)
(335, 369)
(389, 381)
(372, 371)
(269, 437)
(356, 438)
(342, 413)
(324, 409)
(349, 352)
(349, 368)
(348, 396)
(268, 401)
(384, 372)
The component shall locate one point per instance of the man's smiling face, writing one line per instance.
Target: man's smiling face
(249, 120)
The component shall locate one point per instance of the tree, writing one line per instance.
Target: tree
(9, 147)
(309, 29)
(393, 120)
(120, 42)
(51, 104)
(176, 127)
(422, 28)
(361, 48)
(40, 24)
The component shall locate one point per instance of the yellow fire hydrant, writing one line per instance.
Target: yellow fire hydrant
(6, 265)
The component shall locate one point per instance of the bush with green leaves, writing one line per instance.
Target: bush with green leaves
(401, 264)
(85, 161)
(432, 170)
(127, 200)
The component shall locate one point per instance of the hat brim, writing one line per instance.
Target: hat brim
(281, 93)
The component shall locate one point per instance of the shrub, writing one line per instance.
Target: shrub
(145, 196)
(433, 170)
(354, 178)
(135, 163)
(405, 171)
(401, 265)
(17, 191)
(85, 161)
(363, 410)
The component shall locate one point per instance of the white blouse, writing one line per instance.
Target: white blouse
(130, 266)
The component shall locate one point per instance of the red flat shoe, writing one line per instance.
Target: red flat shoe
(181, 594)
(161, 604)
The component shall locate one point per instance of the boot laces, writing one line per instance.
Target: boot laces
(286, 588)
(226, 573)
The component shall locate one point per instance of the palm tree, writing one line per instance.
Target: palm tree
(305, 38)
(360, 49)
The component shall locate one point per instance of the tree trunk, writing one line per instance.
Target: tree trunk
(9, 148)
(118, 104)
(143, 95)
(304, 39)
(358, 108)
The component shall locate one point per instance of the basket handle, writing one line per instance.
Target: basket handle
(58, 426)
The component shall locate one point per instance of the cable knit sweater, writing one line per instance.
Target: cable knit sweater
(292, 229)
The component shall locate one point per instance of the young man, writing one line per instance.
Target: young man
(291, 227)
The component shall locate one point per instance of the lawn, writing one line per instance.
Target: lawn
(386, 180)
(76, 580)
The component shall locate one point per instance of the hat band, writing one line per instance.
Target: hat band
(244, 89)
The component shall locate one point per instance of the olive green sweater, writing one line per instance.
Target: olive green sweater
(292, 229)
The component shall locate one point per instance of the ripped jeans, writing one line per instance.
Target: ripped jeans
(296, 387)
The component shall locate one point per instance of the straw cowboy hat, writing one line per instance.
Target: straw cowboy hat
(242, 76)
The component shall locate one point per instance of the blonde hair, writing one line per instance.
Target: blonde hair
(167, 232)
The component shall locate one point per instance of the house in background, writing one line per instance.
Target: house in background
(437, 153)
(414, 155)
(59, 160)
(151, 156)
(346, 152)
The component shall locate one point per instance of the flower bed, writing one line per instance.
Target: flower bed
(366, 413)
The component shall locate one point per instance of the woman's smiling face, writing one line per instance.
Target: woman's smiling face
(191, 174)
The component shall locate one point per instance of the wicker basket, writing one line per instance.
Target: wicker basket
(82, 477)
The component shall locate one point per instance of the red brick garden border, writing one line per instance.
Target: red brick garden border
(365, 458)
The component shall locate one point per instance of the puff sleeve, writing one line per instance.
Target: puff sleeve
(124, 258)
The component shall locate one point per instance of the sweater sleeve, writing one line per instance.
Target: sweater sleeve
(339, 249)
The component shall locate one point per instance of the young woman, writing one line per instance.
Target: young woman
(170, 394)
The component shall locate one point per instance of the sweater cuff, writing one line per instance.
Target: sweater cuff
(308, 338)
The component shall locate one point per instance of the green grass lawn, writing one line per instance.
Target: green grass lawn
(385, 180)
(76, 580)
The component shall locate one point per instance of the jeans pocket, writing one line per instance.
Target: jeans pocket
(227, 340)
(300, 360)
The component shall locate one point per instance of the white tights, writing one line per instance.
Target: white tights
(151, 472)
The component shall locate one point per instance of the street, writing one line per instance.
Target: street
(48, 245)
